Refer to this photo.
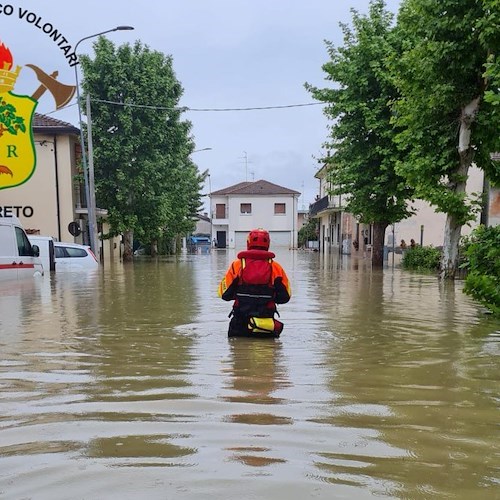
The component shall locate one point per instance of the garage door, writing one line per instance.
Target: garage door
(240, 240)
(281, 239)
(278, 239)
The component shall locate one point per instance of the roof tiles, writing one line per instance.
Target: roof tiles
(260, 187)
(47, 124)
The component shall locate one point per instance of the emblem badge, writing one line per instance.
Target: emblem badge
(17, 148)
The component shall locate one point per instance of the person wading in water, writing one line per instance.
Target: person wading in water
(256, 283)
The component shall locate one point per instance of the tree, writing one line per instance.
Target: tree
(482, 263)
(308, 232)
(491, 35)
(445, 123)
(363, 155)
(144, 176)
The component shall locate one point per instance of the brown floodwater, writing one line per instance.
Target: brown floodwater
(123, 384)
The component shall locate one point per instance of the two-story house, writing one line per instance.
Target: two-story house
(238, 209)
(426, 226)
(339, 231)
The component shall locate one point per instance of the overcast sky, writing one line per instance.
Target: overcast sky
(226, 54)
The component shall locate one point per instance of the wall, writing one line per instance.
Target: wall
(494, 207)
(262, 215)
(50, 215)
(434, 222)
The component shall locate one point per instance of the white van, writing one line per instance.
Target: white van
(18, 258)
(46, 249)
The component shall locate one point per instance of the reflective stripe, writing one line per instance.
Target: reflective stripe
(16, 266)
(254, 295)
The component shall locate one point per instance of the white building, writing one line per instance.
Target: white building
(238, 209)
(426, 227)
(338, 230)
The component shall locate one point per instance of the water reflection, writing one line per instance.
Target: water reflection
(402, 370)
(382, 383)
(141, 357)
(137, 448)
(256, 371)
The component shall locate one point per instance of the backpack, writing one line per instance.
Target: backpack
(255, 272)
(255, 290)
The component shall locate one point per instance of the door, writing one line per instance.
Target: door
(221, 239)
(8, 253)
(27, 264)
(281, 239)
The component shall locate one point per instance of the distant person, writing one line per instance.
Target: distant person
(403, 245)
(256, 283)
(412, 243)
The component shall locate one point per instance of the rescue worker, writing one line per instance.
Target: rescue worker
(256, 283)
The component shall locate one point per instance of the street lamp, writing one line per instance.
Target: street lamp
(89, 176)
(204, 149)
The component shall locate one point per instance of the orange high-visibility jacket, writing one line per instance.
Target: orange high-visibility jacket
(232, 276)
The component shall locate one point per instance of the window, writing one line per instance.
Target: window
(220, 211)
(245, 208)
(23, 244)
(279, 208)
(70, 252)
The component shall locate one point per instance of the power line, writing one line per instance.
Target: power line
(187, 108)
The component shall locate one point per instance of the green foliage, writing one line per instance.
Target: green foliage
(492, 96)
(308, 232)
(361, 153)
(482, 263)
(439, 69)
(144, 175)
(421, 258)
(445, 124)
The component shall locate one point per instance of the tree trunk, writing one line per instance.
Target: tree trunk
(154, 248)
(453, 226)
(128, 238)
(449, 259)
(378, 244)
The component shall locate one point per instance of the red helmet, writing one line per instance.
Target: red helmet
(258, 239)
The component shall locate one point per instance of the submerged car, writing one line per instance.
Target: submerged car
(74, 257)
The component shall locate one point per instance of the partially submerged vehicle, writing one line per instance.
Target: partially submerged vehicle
(199, 243)
(19, 259)
(45, 245)
(59, 256)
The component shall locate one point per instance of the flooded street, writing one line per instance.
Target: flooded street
(123, 384)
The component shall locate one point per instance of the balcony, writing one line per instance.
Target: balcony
(220, 216)
(327, 203)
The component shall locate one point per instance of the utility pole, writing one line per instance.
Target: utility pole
(92, 207)
(89, 195)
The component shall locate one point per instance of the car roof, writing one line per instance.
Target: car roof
(39, 238)
(74, 245)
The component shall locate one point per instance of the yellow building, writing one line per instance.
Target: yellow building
(52, 201)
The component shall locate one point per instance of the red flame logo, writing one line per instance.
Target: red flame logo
(5, 57)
